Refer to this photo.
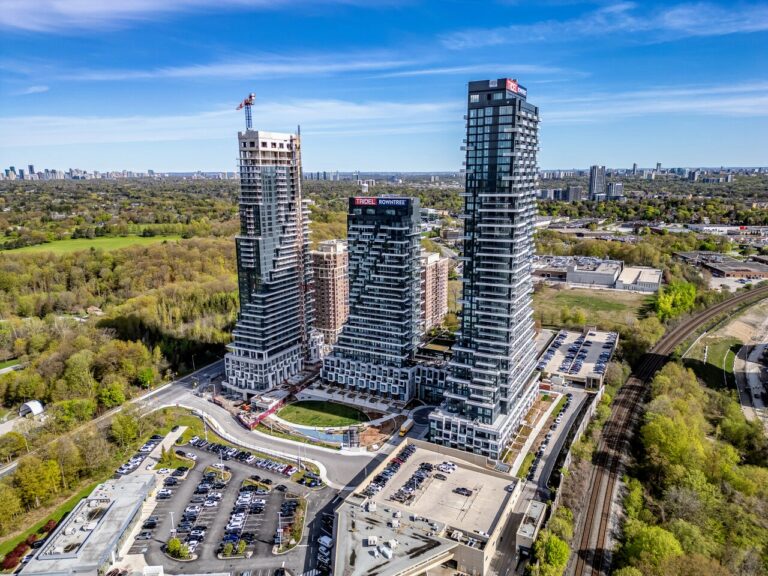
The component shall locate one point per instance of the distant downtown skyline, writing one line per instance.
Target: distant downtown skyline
(379, 85)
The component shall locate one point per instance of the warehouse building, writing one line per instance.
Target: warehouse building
(587, 271)
(88, 541)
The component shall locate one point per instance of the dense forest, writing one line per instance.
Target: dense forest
(697, 500)
(39, 212)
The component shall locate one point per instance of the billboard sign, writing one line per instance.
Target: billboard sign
(365, 201)
(513, 86)
(393, 201)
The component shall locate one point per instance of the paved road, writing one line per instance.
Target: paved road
(340, 468)
(748, 371)
(161, 396)
(505, 561)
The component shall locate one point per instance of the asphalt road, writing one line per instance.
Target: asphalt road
(340, 468)
(506, 560)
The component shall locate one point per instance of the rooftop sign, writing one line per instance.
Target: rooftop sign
(513, 86)
(374, 201)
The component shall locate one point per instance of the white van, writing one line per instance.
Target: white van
(325, 541)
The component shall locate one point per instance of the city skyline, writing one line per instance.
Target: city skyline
(90, 84)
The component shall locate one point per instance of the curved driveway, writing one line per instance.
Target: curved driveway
(341, 467)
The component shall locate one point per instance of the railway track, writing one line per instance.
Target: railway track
(592, 557)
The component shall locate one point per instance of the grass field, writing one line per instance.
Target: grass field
(603, 308)
(717, 371)
(6, 363)
(79, 244)
(321, 414)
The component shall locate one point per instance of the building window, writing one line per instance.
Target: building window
(474, 98)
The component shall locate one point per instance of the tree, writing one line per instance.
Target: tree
(561, 523)
(241, 547)
(11, 445)
(552, 554)
(649, 544)
(78, 374)
(71, 413)
(146, 377)
(36, 480)
(693, 565)
(111, 395)
(174, 548)
(95, 451)
(124, 428)
(228, 549)
(675, 299)
(451, 322)
(628, 571)
(11, 508)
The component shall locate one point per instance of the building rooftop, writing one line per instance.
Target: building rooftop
(83, 542)
(426, 531)
(640, 275)
(532, 519)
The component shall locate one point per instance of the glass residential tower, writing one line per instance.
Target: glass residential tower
(274, 335)
(491, 381)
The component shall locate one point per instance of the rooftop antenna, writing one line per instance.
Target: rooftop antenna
(247, 103)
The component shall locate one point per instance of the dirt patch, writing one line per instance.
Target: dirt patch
(746, 324)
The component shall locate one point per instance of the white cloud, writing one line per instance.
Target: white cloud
(739, 100)
(68, 15)
(32, 90)
(315, 116)
(257, 66)
(510, 69)
(625, 18)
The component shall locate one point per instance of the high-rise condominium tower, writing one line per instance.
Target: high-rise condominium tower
(274, 334)
(434, 289)
(330, 265)
(491, 381)
(597, 183)
(375, 349)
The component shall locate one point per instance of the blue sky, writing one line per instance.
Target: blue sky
(378, 84)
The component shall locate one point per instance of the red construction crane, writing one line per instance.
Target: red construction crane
(247, 103)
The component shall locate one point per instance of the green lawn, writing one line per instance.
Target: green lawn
(6, 363)
(601, 307)
(526, 465)
(315, 413)
(717, 371)
(79, 244)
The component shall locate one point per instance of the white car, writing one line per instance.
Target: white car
(194, 439)
(191, 456)
(219, 465)
(211, 503)
(164, 471)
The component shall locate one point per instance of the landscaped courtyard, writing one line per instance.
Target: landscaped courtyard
(321, 414)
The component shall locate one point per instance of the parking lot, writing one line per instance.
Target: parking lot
(247, 503)
(578, 357)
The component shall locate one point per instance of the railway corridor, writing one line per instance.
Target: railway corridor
(592, 555)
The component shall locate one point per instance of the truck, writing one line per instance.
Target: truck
(406, 427)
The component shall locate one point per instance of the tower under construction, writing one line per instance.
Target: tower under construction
(274, 335)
